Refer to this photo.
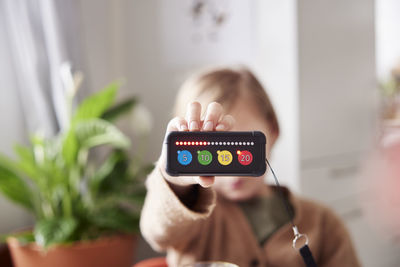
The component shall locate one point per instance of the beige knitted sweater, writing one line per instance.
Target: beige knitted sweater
(216, 229)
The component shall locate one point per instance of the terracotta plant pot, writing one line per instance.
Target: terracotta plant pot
(116, 251)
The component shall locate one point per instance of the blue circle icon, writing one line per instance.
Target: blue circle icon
(184, 157)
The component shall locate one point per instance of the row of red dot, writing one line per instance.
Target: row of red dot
(192, 143)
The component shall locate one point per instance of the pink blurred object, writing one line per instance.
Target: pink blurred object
(154, 262)
(382, 175)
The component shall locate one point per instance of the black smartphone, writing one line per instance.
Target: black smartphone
(216, 153)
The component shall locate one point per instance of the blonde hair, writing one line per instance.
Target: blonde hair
(226, 86)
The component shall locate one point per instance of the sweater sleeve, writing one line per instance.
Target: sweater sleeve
(338, 248)
(166, 221)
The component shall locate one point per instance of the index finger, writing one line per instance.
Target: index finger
(193, 116)
(213, 113)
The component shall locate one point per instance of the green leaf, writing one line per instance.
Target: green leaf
(27, 162)
(92, 107)
(105, 170)
(116, 219)
(97, 132)
(13, 186)
(118, 110)
(25, 153)
(54, 231)
(70, 147)
(95, 105)
(24, 237)
(117, 179)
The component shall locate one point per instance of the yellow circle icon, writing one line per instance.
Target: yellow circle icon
(224, 157)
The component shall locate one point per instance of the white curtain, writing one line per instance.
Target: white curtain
(31, 31)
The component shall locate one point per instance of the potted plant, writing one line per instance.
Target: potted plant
(86, 207)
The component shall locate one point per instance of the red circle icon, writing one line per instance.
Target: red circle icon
(245, 157)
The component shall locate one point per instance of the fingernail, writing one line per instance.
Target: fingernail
(183, 127)
(194, 125)
(220, 127)
(208, 126)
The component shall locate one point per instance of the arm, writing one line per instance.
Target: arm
(338, 248)
(169, 220)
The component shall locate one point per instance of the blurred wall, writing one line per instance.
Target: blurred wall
(277, 67)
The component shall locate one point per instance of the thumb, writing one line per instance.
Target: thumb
(205, 181)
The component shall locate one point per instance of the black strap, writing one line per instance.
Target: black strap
(307, 256)
(305, 251)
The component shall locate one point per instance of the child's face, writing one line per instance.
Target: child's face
(242, 188)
